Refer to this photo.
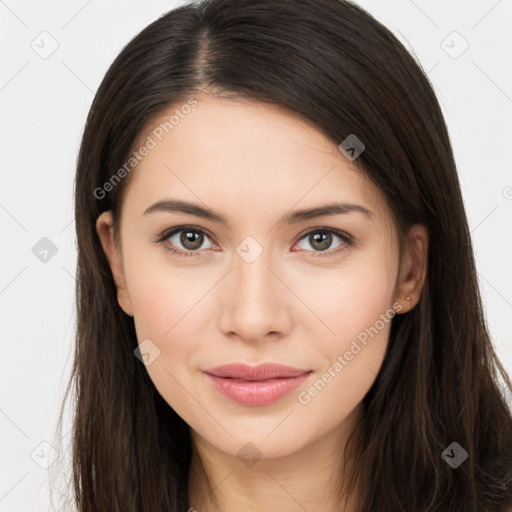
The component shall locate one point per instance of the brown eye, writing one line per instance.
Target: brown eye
(321, 240)
(191, 240)
(185, 240)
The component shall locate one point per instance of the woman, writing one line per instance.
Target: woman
(277, 298)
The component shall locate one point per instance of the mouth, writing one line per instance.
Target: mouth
(256, 385)
(259, 372)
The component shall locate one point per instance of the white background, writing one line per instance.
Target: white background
(44, 103)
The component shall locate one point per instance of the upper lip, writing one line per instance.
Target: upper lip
(259, 372)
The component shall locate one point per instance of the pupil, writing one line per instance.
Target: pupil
(324, 244)
(191, 240)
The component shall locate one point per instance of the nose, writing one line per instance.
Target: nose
(256, 302)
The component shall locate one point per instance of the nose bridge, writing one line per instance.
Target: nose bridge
(254, 304)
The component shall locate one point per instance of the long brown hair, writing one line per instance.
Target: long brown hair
(333, 63)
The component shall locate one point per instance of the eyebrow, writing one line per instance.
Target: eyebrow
(185, 207)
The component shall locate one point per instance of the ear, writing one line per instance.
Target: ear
(413, 268)
(105, 229)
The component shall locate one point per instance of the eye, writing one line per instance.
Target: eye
(190, 238)
(320, 239)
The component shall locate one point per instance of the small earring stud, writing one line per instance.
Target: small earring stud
(407, 298)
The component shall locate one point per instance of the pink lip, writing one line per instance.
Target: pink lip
(256, 385)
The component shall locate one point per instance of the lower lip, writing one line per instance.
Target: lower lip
(257, 392)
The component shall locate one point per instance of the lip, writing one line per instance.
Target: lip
(258, 385)
(262, 371)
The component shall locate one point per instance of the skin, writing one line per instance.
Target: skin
(254, 163)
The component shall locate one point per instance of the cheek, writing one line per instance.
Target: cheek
(356, 305)
(166, 302)
(353, 296)
(340, 386)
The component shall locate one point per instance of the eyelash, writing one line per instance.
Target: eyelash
(346, 239)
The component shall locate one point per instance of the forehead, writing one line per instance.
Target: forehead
(243, 155)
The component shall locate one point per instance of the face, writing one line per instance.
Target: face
(313, 292)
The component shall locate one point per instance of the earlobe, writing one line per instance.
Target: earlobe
(413, 268)
(105, 230)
